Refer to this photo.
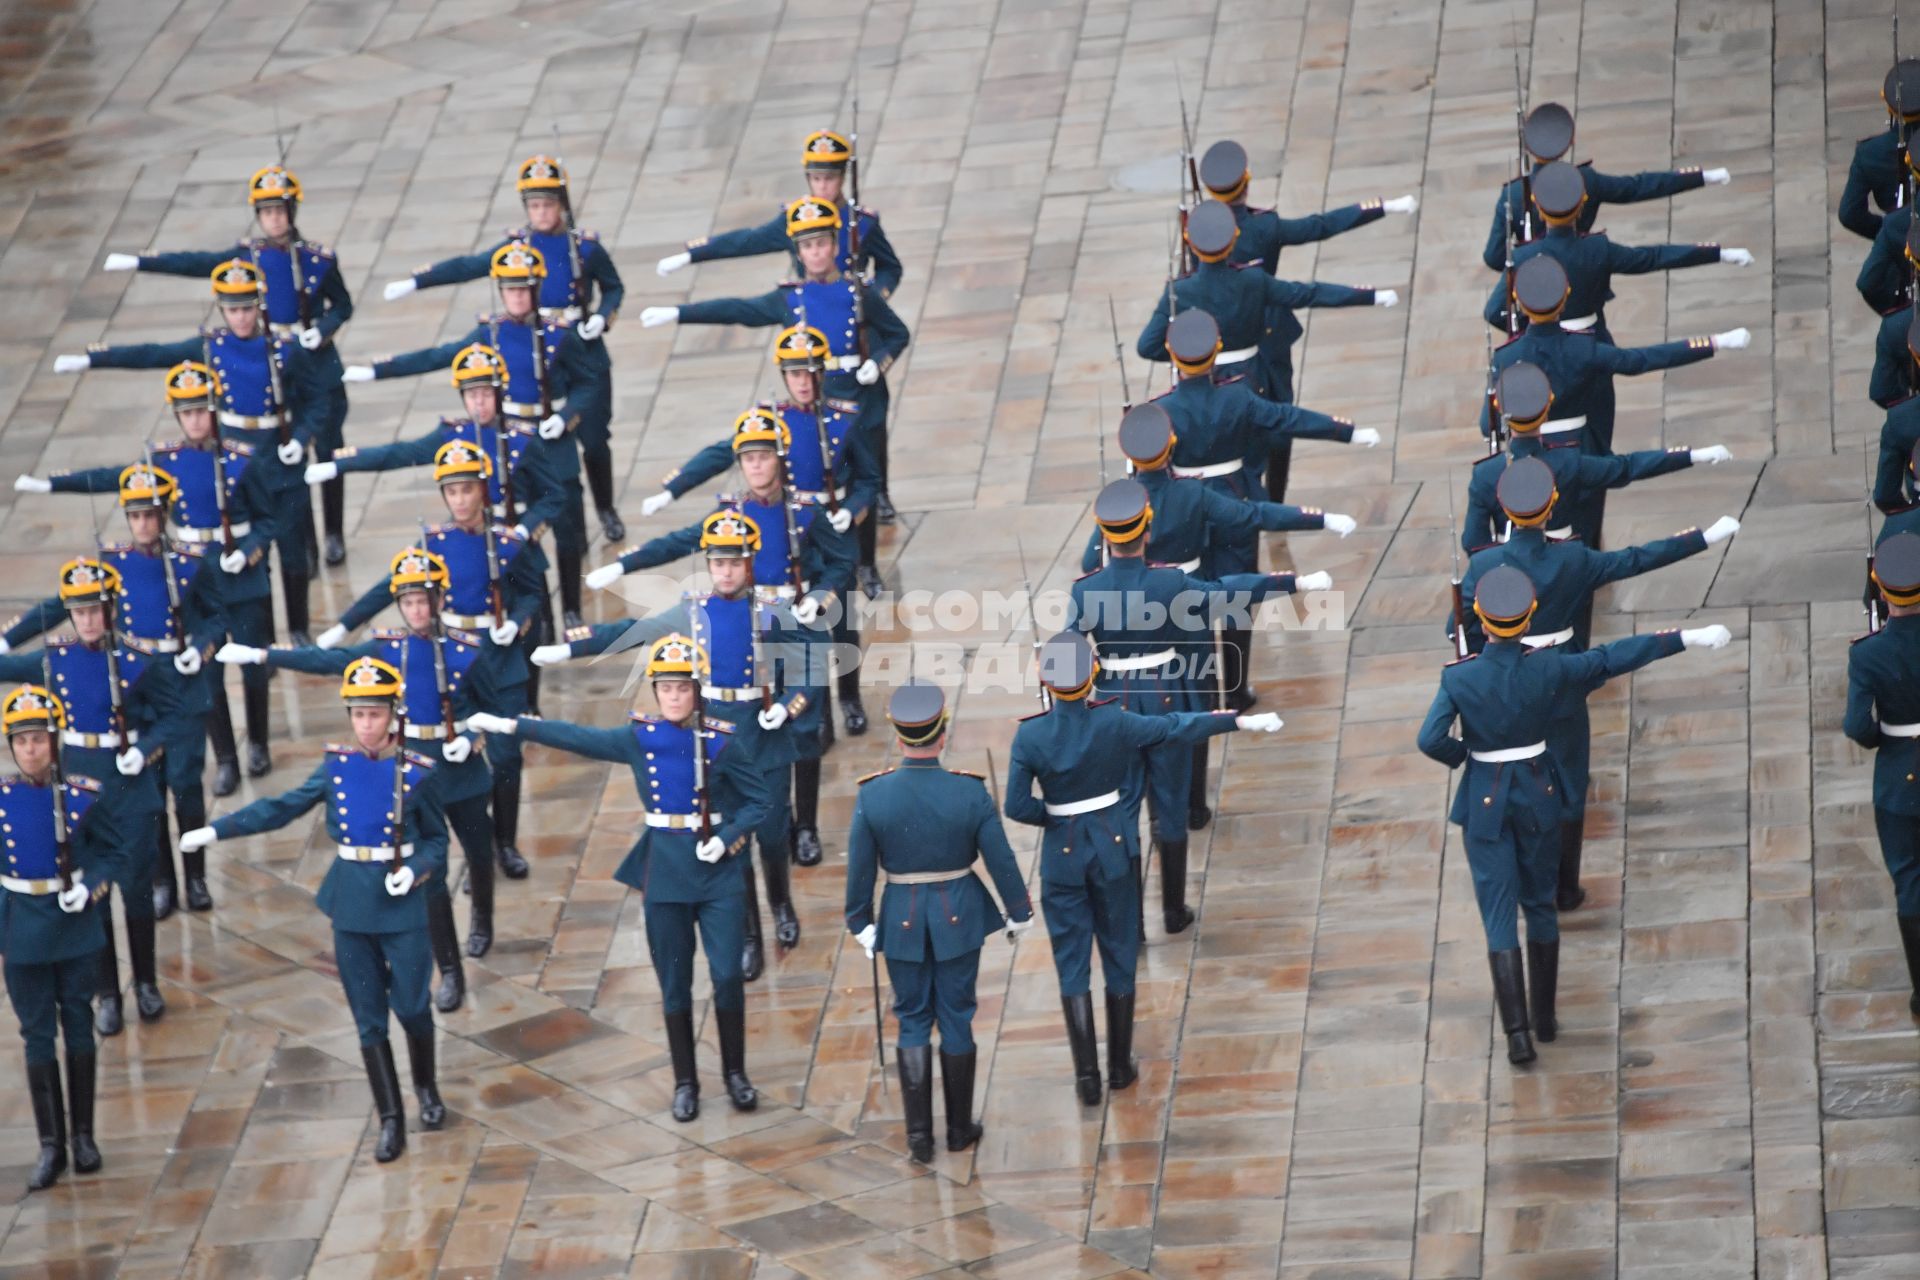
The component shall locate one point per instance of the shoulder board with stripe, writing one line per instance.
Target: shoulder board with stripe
(465, 639)
(588, 237)
(871, 776)
(117, 548)
(1035, 715)
(1457, 661)
(1868, 636)
(80, 782)
(1243, 266)
(1089, 573)
(386, 633)
(520, 232)
(715, 724)
(644, 717)
(195, 550)
(1102, 702)
(339, 749)
(1230, 379)
(419, 761)
(968, 773)
(239, 448)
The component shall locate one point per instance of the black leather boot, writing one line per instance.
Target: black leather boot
(253, 694)
(853, 713)
(686, 1076)
(81, 1072)
(1910, 940)
(612, 526)
(916, 1098)
(426, 1085)
(732, 1025)
(807, 849)
(1081, 1043)
(165, 888)
(147, 999)
(956, 1082)
(1122, 1070)
(50, 1120)
(1199, 813)
(506, 830)
(1567, 893)
(1510, 997)
(753, 953)
(1543, 982)
(226, 775)
(806, 810)
(385, 1083)
(480, 908)
(786, 925)
(445, 941)
(193, 865)
(293, 589)
(1173, 886)
(109, 1018)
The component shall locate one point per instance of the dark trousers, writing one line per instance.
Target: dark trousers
(53, 997)
(1900, 848)
(249, 622)
(1515, 873)
(721, 928)
(382, 972)
(928, 991)
(1106, 913)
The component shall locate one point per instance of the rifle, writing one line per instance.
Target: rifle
(502, 469)
(107, 604)
(1459, 605)
(1526, 169)
(787, 501)
(166, 560)
(1874, 602)
(1126, 394)
(220, 458)
(539, 328)
(1033, 621)
(400, 759)
(1496, 421)
(280, 407)
(853, 181)
(303, 305)
(699, 734)
(1190, 176)
(496, 593)
(1507, 275)
(1902, 195)
(62, 838)
(436, 633)
(829, 473)
(576, 287)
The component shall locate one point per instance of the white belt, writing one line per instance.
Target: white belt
(530, 412)
(75, 738)
(140, 644)
(1138, 661)
(725, 693)
(1235, 357)
(1554, 426)
(784, 591)
(213, 533)
(466, 621)
(249, 424)
(1577, 323)
(1212, 471)
(1508, 754)
(36, 888)
(435, 732)
(844, 363)
(928, 877)
(1074, 807)
(1561, 534)
(818, 497)
(680, 821)
(570, 314)
(1189, 566)
(1900, 730)
(1548, 640)
(372, 853)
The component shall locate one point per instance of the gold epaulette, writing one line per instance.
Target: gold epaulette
(870, 777)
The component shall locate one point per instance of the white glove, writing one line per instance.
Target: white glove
(487, 722)
(233, 561)
(1259, 722)
(358, 373)
(657, 503)
(504, 633)
(866, 938)
(319, 472)
(773, 717)
(73, 900)
(654, 317)
(867, 374)
(1386, 297)
(456, 750)
(331, 637)
(399, 880)
(1342, 525)
(242, 655)
(121, 262)
(1322, 581)
(551, 655)
(591, 328)
(130, 762)
(4, 646)
(1716, 177)
(1712, 455)
(712, 849)
(805, 611)
(605, 576)
(398, 289)
(187, 662)
(1722, 529)
(71, 364)
(198, 838)
(1733, 340)
(552, 427)
(1368, 436)
(841, 519)
(672, 263)
(1399, 204)
(1738, 257)
(32, 484)
(290, 452)
(1017, 927)
(311, 338)
(1714, 637)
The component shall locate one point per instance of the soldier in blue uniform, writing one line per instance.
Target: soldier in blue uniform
(269, 398)
(550, 388)
(1524, 398)
(1547, 135)
(230, 525)
(1876, 170)
(1896, 343)
(1902, 517)
(495, 584)
(1894, 485)
(703, 803)
(924, 825)
(1885, 281)
(1082, 754)
(581, 288)
(450, 674)
(1883, 715)
(1254, 312)
(383, 815)
(1263, 232)
(1591, 259)
(864, 334)
(118, 736)
(765, 678)
(863, 248)
(1565, 574)
(1512, 797)
(60, 861)
(306, 298)
(1152, 624)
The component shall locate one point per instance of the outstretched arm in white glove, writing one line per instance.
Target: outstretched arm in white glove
(1714, 637)
(1722, 529)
